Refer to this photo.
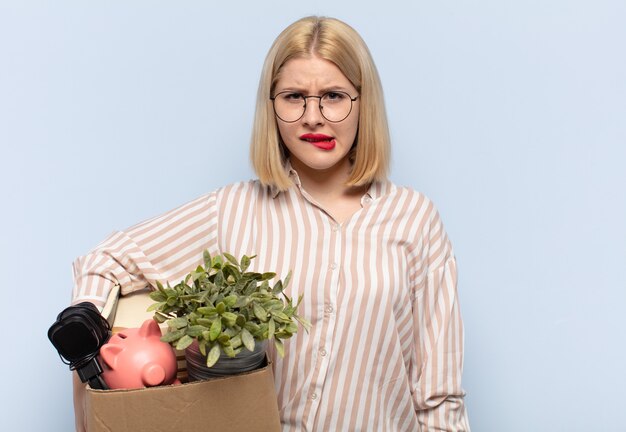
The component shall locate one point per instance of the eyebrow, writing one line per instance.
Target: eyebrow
(323, 90)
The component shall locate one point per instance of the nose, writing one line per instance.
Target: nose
(312, 111)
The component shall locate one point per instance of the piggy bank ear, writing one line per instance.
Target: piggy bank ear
(152, 374)
(109, 353)
(149, 328)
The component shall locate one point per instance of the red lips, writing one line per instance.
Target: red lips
(320, 141)
(315, 137)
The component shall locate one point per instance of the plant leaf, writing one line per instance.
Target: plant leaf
(206, 258)
(206, 310)
(229, 318)
(274, 305)
(160, 287)
(184, 342)
(229, 351)
(177, 323)
(247, 339)
(281, 317)
(213, 356)
(219, 278)
(241, 320)
(204, 322)
(250, 287)
(155, 306)
(278, 288)
(271, 328)
(230, 300)
(217, 262)
(287, 280)
(157, 296)
(171, 301)
(245, 263)
(231, 258)
(224, 340)
(216, 329)
(303, 322)
(233, 271)
(259, 312)
(280, 348)
(172, 336)
(195, 330)
(252, 326)
(160, 317)
(236, 341)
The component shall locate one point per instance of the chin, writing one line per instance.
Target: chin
(320, 164)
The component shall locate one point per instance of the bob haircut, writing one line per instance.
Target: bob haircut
(332, 40)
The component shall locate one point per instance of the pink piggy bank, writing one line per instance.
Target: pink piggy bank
(136, 358)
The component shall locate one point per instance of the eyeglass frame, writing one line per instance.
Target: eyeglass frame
(352, 100)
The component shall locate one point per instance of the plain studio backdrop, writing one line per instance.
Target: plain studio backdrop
(509, 115)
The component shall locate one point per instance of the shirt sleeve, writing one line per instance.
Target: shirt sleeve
(438, 330)
(164, 248)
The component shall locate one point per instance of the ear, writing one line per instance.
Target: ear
(109, 354)
(149, 328)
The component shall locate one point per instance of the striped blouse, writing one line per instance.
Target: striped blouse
(385, 351)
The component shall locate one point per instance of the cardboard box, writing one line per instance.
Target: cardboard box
(244, 402)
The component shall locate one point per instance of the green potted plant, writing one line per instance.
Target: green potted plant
(221, 312)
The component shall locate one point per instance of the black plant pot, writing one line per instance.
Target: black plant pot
(243, 362)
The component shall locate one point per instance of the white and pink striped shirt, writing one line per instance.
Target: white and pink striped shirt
(385, 352)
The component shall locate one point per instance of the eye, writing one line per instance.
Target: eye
(292, 97)
(334, 96)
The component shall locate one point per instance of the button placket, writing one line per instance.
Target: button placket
(325, 344)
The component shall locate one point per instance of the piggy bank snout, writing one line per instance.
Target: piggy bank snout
(153, 374)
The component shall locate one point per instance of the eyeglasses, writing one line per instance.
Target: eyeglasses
(290, 106)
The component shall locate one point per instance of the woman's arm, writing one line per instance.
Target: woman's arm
(438, 329)
(164, 248)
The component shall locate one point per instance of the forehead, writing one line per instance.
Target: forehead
(311, 73)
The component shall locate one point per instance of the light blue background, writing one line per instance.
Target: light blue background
(510, 115)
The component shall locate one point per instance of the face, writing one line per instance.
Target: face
(314, 143)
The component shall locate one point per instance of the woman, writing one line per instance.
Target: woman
(371, 259)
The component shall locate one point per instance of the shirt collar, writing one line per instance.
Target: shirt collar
(376, 190)
(293, 175)
(379, 189)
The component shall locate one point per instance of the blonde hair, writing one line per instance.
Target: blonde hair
(332, 40)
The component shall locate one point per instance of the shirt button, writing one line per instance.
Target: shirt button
(313, 396)
(335, 228)
(333, 266)
(323, 352)
(329, 309)
(367, 200)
